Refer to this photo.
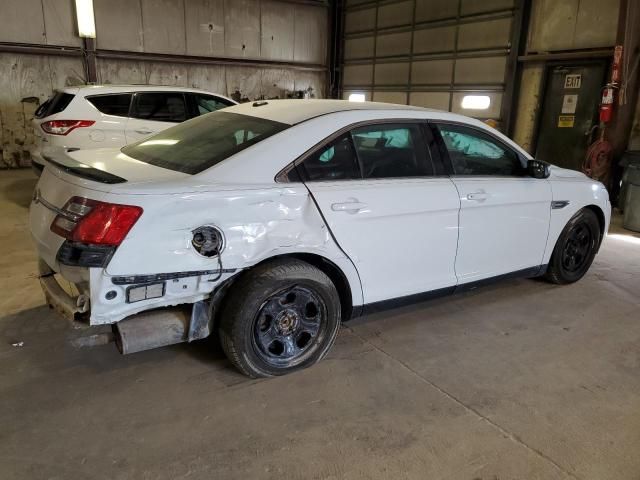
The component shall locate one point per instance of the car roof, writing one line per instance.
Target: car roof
(292, 112)
(85, 90)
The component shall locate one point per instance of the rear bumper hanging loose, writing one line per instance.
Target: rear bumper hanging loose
(73, 309)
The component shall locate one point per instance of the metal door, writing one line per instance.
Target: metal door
(570, 110)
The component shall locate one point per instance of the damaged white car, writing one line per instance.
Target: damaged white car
(270, 222)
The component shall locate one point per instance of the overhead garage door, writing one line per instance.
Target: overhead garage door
(430, 53)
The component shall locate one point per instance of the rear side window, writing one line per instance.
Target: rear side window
(335, 161)
(116, 104)
(202, 142)
(208, 103)
(160, 106)
(55, 104)
(392, 151)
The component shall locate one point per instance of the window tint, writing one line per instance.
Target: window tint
(475, 153)
(116, 104)
(336, 161)
(160, 106)
(209, 103)
(202, 142)
(55, 104)
(387, 151)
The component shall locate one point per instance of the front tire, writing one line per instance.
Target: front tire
(282, 316)
(575, 249)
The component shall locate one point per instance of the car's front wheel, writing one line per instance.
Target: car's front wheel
(281, 316)
(575, 249)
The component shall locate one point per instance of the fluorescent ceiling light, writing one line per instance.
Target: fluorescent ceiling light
(357, 97)
(476, 102)
(85, 19)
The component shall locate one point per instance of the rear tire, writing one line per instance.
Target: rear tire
(280, 317)
(575, 249)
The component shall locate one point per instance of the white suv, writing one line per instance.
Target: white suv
(100, 116)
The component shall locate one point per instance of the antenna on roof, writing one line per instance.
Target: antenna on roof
(260, 104)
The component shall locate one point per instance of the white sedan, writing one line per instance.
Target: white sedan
(270, 222)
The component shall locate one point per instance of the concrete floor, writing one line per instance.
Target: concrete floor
(522, 380)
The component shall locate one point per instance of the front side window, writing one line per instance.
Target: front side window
(392, 151)
(208, 103)
(202, 142)
(335, 161)
(160, 107)
(116, 104)
(473, 152)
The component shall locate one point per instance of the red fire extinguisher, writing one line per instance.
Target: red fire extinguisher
(606, 104)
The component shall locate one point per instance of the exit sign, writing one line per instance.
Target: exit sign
(572, 81)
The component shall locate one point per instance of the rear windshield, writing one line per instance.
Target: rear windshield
(55, 104)
(202, 142)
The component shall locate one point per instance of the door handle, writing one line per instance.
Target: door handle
(144, 131)
(349, 207)
(478, 196)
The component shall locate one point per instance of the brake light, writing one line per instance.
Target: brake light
(63, 127)
(98, 223)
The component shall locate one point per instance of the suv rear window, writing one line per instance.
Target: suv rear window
(55, 104)
(202, 142)
(116, 104)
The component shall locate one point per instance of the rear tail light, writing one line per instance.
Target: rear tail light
(63, 127)
(98, 223)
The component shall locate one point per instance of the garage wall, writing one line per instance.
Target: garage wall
(566, 26)
(428, 53)
(255, 30)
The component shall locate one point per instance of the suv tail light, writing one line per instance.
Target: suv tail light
(63, 127)
(93, 222)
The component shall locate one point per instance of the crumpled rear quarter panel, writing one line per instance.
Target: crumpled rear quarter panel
(256, 224)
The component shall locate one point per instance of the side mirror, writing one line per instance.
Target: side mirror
(538, 169)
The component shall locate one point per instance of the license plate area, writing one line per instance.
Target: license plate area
(137, 293)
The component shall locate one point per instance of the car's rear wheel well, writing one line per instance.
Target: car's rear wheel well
(328, 268)
(601, 220)
(334, 273)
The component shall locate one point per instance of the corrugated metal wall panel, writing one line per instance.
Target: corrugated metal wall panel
(430, 10)
(277, 30)
(393, 44)
(428, 52)
(359, 47)
(242, 29)
(205, 35)
(115, 31)
(442, 39)
(311, 31)
(163, 26)
(15, 28)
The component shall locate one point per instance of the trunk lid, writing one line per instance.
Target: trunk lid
(105, 168)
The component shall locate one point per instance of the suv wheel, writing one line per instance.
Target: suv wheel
(280, 317)
(575, 249)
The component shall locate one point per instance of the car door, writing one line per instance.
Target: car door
(388, 209)
(152, 112)
(504, 213)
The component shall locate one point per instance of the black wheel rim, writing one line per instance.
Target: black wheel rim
(577, 248)
(287, 325)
